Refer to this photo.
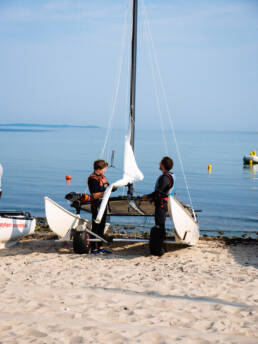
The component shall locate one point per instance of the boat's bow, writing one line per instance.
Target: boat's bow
(60, 220)
(185, 226)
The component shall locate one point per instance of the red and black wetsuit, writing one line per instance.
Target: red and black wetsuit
(163, 188)
(97, 183)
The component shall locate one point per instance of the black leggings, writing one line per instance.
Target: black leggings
(160, 216)
(158, 233)
(97, 228)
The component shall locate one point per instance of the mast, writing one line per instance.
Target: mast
(133, 80)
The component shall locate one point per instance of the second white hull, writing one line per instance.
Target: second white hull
(13, 229)
(186, 228)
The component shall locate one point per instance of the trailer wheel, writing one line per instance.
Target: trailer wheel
(157, 237)
(81, 242)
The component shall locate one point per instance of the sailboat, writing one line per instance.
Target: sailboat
(65, 223)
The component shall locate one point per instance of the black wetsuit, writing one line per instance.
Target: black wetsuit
(163, 187)
(96, 184)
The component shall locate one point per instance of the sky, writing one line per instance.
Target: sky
(60, 62)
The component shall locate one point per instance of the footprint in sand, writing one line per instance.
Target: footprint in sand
(77, 340)
(36, 333)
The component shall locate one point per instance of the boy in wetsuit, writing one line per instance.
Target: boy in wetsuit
(97, 183)
(163, 188)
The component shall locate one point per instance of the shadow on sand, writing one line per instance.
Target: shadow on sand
(244, 251)
(120, 250)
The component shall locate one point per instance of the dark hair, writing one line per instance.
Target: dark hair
(99, 164)
(167, 163)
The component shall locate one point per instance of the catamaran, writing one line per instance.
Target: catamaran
(68, 225)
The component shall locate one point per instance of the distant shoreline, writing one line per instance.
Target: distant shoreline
(26, 125)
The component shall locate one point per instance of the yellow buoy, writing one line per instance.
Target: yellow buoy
(250, 162)
(209, 168)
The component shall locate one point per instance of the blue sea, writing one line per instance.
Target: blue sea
(36, 161)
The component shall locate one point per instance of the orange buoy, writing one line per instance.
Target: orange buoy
(68, 177)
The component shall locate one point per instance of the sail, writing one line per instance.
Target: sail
(131, 171)
(131, 174)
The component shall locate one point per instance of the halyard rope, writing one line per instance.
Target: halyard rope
(166, 103)
(151, 58)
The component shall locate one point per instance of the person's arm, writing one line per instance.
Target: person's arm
(150, 196)
(162, 187)
(97, 195)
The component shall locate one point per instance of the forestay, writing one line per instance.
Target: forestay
(131, 174)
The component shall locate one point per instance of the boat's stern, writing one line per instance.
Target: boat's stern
(14, 226)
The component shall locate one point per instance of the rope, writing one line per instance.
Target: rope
(167, 106)
(151, 58)
(117, 87)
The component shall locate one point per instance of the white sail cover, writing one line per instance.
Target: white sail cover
(131, 175)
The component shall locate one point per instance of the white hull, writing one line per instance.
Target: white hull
(248, 158)
(186, 228)
(60, 220)
(13, 229)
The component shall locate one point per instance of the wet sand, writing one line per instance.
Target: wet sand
(204, 294)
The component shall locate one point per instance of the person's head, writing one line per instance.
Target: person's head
(166, 164)
(100, 166)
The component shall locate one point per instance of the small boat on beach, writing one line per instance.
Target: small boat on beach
(14, 224)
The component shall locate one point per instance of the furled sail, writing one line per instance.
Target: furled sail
(131, 174)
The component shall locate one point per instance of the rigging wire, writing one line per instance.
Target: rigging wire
(167, 106)
(118, 82)
(151, 58)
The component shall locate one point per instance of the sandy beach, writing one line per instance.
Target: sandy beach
(204, 294)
